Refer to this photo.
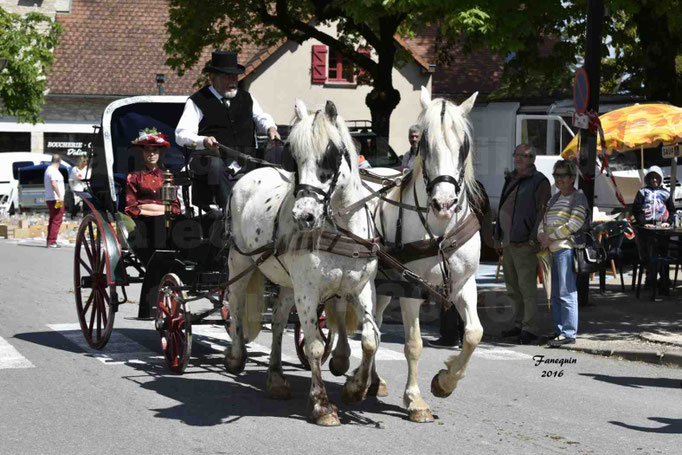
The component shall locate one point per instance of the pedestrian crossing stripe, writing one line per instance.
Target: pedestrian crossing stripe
(10, 358)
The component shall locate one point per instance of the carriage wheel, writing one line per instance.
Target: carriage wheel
(95, 299)
(173, 323)
(325, 333)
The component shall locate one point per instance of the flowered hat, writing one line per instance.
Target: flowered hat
(150, 136)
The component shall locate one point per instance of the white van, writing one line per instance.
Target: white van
(10, 162)
(500, 126)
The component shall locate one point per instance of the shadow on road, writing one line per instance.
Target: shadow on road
(635, 382)
(671, 426)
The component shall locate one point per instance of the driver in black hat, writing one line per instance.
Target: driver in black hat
(220, 113)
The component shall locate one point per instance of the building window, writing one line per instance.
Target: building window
(329, 65)
(15, 142)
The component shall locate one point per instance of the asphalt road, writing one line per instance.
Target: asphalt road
(59, 397)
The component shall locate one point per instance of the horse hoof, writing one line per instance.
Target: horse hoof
(378, 389)
(234, 366)
(339, 365)
(328, 420)
(437, 390)
(352, 398)
(421, 415)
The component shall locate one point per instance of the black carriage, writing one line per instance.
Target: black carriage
(106, 262)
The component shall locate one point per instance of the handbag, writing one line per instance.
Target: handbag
(590, 256)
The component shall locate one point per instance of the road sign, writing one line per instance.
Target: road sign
(581, 120)
(581, 91)
(668, 151)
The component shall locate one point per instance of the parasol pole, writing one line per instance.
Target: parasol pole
(673, 173)
(641, 155)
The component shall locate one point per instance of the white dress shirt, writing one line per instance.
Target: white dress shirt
(187, 131)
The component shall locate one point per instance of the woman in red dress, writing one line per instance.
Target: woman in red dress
(143, 198)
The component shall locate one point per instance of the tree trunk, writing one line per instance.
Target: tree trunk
(381, 103)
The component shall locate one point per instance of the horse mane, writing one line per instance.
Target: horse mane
(309, 138)
(430, 120)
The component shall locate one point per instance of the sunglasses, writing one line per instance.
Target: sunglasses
(557, 176)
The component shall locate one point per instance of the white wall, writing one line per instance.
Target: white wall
(286, 75)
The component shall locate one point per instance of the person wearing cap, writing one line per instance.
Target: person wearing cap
(221, 113)
(143, 198)
(654, 205)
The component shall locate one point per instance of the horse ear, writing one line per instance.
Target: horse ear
(425, 97)
(330, 111)
(467, 105)
(301, 110)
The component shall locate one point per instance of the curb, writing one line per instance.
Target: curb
(658, 358)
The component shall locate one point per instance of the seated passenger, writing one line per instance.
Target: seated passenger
(654, 205)
(143, 198)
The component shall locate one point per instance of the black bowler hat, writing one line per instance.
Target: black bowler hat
(224, 62)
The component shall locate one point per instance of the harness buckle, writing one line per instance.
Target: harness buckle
(356, 254)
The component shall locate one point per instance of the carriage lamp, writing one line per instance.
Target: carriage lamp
(169, 193)
(160, 79)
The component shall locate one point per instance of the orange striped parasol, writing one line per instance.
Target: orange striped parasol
(635, 127)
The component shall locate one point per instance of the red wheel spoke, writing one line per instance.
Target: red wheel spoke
(99, 317)
(92, 315)
(106, 297)
(88, 250)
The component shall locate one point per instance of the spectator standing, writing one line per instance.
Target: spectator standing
(413, 136)
(654, 205)
(77, 177)
(54, 198)
(563, 225)
(522, 204)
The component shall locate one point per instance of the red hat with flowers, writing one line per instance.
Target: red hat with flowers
(151, 137)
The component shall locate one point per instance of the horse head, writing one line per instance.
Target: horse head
(326, 160)
(444, 148)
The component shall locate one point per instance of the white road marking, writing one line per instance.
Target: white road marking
(219, 332)
(11, 358)
(497, 353)
(119, 350)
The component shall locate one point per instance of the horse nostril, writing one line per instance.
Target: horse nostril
(309, 218)
(436, 204)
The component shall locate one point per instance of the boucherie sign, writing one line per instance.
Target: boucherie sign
(71, 148)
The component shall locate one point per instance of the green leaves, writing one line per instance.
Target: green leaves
(28, 43)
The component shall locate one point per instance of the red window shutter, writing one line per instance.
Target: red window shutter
(319, 64)
(363, 75)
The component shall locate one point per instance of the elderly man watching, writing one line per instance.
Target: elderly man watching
(413, 136)
(522, 205)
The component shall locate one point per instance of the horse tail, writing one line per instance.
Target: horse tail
(255, 305)
(337, 309)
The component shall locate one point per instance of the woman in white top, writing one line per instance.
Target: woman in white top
(79, 173)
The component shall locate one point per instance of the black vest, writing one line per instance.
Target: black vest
(524, 214)
(233, 126)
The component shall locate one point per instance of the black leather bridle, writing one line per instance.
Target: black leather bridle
(303, 189)
(423, 150)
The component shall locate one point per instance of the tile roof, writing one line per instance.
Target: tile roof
(115, 47)
(464, 74)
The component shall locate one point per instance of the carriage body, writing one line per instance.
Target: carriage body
(105, 260)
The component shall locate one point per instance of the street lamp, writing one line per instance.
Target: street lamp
(3, 63)
(160, 79)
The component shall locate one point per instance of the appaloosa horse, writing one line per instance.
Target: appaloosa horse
(287, 227)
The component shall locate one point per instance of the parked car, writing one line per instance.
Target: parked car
(32, 187)
(10, 163)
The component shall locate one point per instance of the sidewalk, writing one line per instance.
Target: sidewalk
(615, 324)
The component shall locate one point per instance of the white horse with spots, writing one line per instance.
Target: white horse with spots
(443, 185)
(296, 212)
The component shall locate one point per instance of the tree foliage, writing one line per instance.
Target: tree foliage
(28, 43)
(196, 24)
